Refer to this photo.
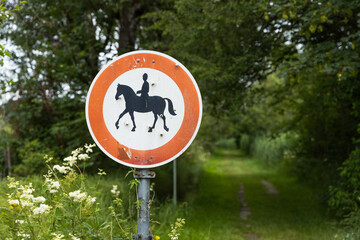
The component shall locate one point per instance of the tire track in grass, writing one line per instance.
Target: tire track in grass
(270, 189)
(245, 210)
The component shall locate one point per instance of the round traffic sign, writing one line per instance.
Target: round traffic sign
(143, 109)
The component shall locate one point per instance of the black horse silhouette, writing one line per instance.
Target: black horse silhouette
(133, 103)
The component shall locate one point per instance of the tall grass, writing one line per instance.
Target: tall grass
(271, 151)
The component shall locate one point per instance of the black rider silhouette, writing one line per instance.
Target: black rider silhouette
(144, 91)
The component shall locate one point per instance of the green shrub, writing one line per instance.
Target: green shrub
(345, 197)
(228, 143)
(31, 154)
(271, 151)
(245, 143)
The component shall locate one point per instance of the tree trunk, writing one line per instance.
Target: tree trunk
(129, 19)
(7, 158)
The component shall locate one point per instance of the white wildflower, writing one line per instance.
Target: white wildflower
(77, 151)
(43, 208)
(115, 191)
(89, 147)
(28, 189)
(83, 156)
(39, 199)
(19, 221)
(57, 236)
(73, 237)
(48, 175)
(77, 196)
(90, 200)
(52, 185)
(26, 196)
(24, 235)
(26, 203)
(71, 160)
(26, 200)
(14, 202)
(62, 169)
(12, 182)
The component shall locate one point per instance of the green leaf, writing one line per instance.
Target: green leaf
(323, 18)
(312, 28)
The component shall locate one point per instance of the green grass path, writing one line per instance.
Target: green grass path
(293, 214)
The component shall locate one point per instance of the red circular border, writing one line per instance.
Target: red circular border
(192, 115)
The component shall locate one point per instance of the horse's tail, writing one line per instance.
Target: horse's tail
(171, 107)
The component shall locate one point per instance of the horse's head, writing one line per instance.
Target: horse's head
(119, 92)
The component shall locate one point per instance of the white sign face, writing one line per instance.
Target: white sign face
(141, 139)
(143, 109)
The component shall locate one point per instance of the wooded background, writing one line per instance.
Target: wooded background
(279, 77)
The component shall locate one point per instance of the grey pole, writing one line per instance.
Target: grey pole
(143, 231)
(174, 183)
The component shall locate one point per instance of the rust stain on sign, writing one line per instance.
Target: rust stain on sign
(123, 154)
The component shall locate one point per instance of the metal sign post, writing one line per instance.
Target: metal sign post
(174, 183)
(144, 176)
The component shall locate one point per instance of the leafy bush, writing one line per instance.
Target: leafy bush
(31, 153)
(345, 198)
(268, 150)
(245, 143)
(229, 143)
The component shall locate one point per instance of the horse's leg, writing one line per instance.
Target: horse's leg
(164, 119)
(121, 115)
(133, 120)
(155, 119)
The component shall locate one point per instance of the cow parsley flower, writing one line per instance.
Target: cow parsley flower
(23, 235)
(52, 185)
(12, 182)
(57, 236)
(78, 196)
(26, 200)
(115, 191)
(73, 237)
(83, 156)
(42, 209)
(76, 151)
(39, 199)
(71, 160)
(14, 202)
(62, 169)
(27, 189)
(90, 200)
(89, 147)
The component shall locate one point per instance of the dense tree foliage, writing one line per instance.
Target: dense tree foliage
(61, 47)
(228, 46)
(324, 73)
(320, 89)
